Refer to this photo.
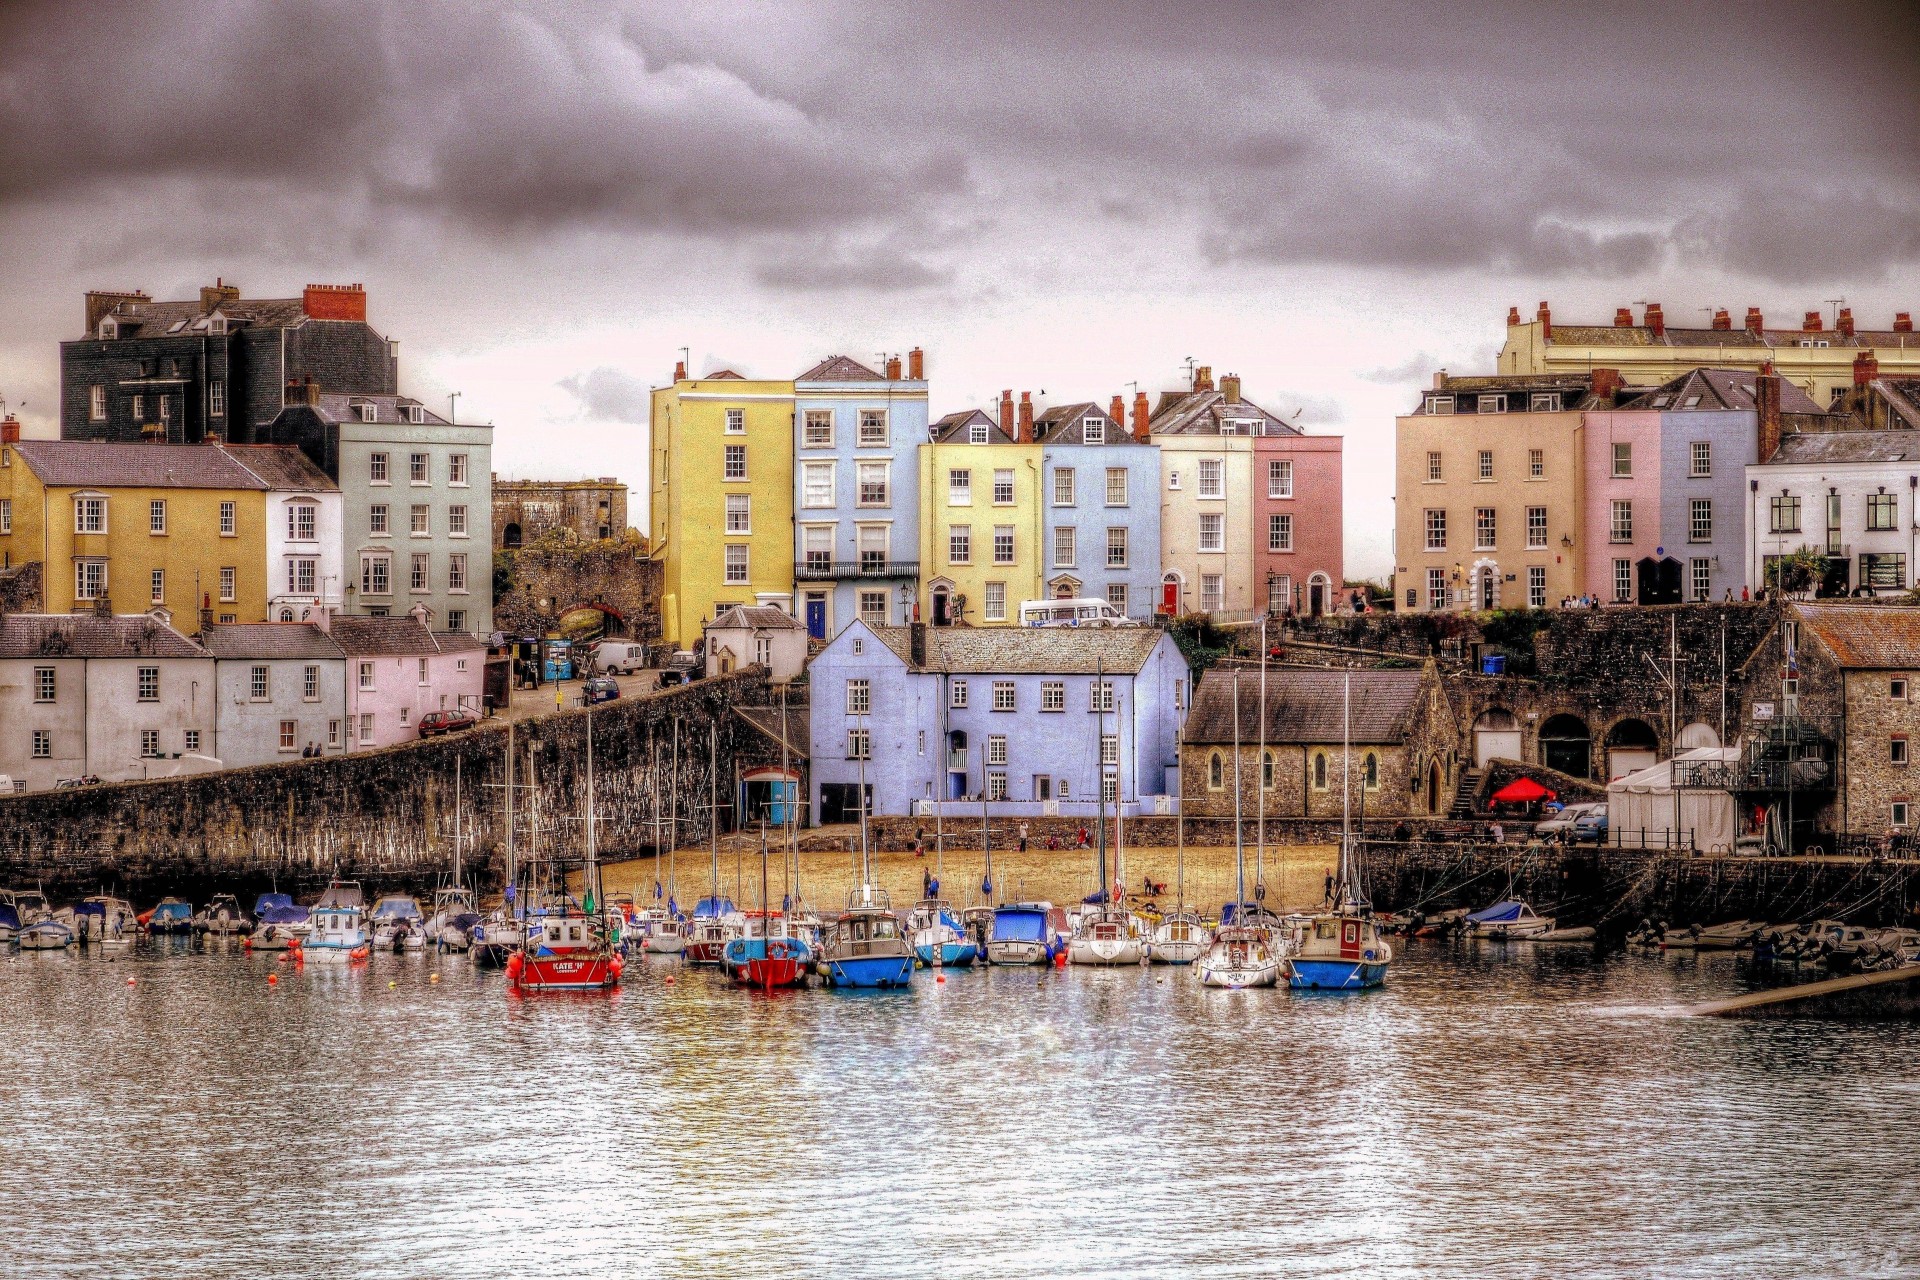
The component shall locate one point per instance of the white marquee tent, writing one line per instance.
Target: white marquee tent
(1643, 809)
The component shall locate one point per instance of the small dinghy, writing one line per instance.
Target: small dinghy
(1585, 933)
(1508, 921)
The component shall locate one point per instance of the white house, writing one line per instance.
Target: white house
(281, 689)
(763, 635)
(306, 534)
(115, 697)
(1849, 495)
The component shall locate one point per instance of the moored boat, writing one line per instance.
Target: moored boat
(564, 951)
(280, 924)
(661, 932)
(46, 934)
(1109, 934)
(169, 916)
(338, 925)
(867, 947)
(767, 955)
(450, 927)
(495, 938)
(940, 938)
(715, 922)
(1508, 920)
(397, 923)
(101, 916)
(1026, 933)
(222, 917)
(1240, 956)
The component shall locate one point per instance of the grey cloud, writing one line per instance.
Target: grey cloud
(1413, 369)
(825, 269)
(1313, 411)
(607, 394)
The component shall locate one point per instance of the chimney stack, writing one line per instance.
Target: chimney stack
(1230, 387)
(218, 294)
(10, 430)
(1866, 367)
(1756, 323)
(1656, 320)
(1026, 418)
(1006, 414)
(917, 645)
(333, 302)
(1546, 323)
(679, 370)
(1513, 316)
(1766, 405)
(1140, 417)
(1903, 322)
(1812, 323)
(916, 365)
(893, 368)
(100, 302)
(1722, 322)
(1843, 325)
(1606, 386)
(1203, 377)
(1117, 410)
(1623, 318)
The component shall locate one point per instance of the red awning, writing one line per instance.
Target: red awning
(1522, 791)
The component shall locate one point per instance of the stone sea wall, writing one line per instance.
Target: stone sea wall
(389, 817)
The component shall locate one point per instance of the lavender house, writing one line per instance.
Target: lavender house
(1038, 721)
(397, 671)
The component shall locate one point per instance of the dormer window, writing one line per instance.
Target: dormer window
(1094, 430)
(977, 433)
(368, 411)
(1544, 402)
(1493, 403)
(216, 324)
(109, 328)
(416, 414)
(1440, 404)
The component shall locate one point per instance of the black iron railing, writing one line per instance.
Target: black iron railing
(821, 569)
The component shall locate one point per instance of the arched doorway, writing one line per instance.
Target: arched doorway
(1170, 594)
(1631, 744)
(510, 535)
(1496, 736)
(940, 591)
(1697, 735)
(1566, 745)
(1433, 786)
(1318, 588)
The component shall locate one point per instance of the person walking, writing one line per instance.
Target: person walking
(1023, 837)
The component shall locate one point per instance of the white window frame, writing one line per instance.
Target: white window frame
(1006, 695)
(379, 468)
(1005, 548)
(739, 517)
(872, 433)
(994, 607)
(1486, 528)
(865, 474)
(1213, 478)
(733, 463)
(229, 520)
(89, 515)
(816, 485)
(1117, 487)
(1063, 486)
(860, 697)
(816, 429)
(157, 516)
(959, 486)
(739, 563)
(959, 544)
(1279, 477)
(1117, 547)
(1065, 546)
(1536, 528)
(1212, 532)
(1003, 487)
(1700, 458)
(736, 422)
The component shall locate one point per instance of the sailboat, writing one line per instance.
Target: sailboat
(1182, 934)
(866, 947)
(450, 925)
(1240, 953)
(662, 930)
(1340, 948)
(496, 938)
(716, 921)
(567, 947)
(774, 958)
(1108, 933)
(940, 939)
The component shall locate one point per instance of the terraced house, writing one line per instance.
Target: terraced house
(175, 527)
(980, 545)
(722, 497)
(856, 491)
(1100, 505)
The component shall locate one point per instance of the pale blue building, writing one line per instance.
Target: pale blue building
(856, 492)
(1037, 721)
(1100, 504)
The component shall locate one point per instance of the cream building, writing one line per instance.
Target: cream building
(1816, 354)
(1206, 507)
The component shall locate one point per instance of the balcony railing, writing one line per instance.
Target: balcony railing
(822, 570)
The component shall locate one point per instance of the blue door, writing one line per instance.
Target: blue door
(817, 617)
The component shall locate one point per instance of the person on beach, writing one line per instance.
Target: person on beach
(1023, 837)
(1083, 835)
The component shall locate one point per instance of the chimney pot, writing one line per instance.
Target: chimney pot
(1903, 322)
(10, 430)
(893, 368)
(1606, 386)
(1546, 322)
(1866, 367)
(1026, 418)
(1513, 316)
(1230, 387)
(1722, 322)
(679, 370)
(1006, 414)
(1656, 320)
(333, 302)
(1203, 377)
(1117, 410)
(1843, 324)
(1756, 323)
(1812, 323)
(1766, 404)
(916, 365)
(1140, 416)
(1623, 318)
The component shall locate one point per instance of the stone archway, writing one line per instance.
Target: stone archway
(1496, 736)
(510, 535)
(1631, 744)
(1566, 745)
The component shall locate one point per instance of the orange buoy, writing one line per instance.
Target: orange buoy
(131, 981)
(273, 979)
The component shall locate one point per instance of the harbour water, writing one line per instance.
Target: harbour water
(1492, 1112)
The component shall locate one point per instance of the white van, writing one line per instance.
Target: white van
(619, 657)
(1072, 613)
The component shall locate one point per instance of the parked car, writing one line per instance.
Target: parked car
(85, 780)
(682, 667)
(435, 723)
(1560, 825)
(1591, 827)
(619, 657)
(599, 689)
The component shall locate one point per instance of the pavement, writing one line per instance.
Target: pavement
(539, 702)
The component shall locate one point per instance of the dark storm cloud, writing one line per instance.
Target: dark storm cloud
(607, 394)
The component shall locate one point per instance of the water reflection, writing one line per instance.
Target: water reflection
(1478, 1115)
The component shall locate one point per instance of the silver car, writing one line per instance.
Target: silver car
(1560, 825)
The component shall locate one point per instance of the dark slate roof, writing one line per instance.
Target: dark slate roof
(767, 721)
(339, 406)
(755, 616)
(1576, 390)
(1029, 650)
(952, 429)
(363, 635)
(1306, 706)
(268, 640)
(158, 319)
(839, 369)
(1704, 389)
(59, 635)
(1206, 413)
(282, 467)
(1590, 335)
(98, 464)
(1066, 424)
(458, 641)
(1859, 635)
(1818, 448)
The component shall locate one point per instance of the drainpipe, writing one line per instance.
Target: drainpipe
(86, 716)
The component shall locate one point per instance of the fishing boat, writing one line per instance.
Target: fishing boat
(280, 923)
(768, 954)
(1026, 933)
(1240, 956)
(1340, 947)
(222, 917)
(867, 947)
(338, 928)
(940, 938)
(564, 951)
(1508, 920)
(397, 923)
(169, 916)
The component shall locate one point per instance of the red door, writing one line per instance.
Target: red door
(1350, 940)
(1170, 597)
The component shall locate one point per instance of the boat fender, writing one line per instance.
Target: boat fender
(433, 977)
(273, 979)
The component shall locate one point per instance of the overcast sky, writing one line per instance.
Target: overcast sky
(547, 202)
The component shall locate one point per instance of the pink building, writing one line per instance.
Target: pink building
(398, 670)
(1620, 466)
(1297, 520)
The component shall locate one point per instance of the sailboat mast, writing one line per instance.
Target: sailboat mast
(986, 833)
(673, 816)
(1239, 840)
(1100, 775)
(587, 881)
(713, 806)
(513, 871)
(789, 852)
(940, 783)
(456, 820)
(866, 749)
(1260, 772)
(1346, 773)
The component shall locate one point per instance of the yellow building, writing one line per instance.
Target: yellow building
(1815, 354)
(1489, 485)
(980, 519)
(142, 525)
(722, 488)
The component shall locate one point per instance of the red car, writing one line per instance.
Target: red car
(438, 722)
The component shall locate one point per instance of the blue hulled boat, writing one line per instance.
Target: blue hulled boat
(933, 925)
(1340, 947)
(171, 916)
(868, 947)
